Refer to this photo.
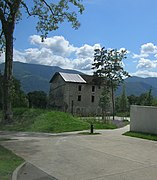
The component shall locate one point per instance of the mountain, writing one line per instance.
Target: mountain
(137, 85)
(34, 76)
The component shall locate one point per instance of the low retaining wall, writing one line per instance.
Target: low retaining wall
(143, 119)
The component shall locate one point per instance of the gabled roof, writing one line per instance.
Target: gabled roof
(72, 78)
(67, 77)
(79, 78)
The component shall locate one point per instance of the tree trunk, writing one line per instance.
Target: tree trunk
(7, 79)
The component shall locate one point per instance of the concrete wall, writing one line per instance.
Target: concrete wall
(143, 119)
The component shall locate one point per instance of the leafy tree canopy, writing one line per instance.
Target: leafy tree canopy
(108, 64)
(37, 99)
(49, 15)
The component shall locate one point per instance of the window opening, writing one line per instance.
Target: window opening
(93, 88)
(79, 98)
(79, 87)
(93, 99)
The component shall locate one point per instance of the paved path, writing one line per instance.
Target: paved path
(109, 156)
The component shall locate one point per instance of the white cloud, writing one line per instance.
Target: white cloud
(148, 48)
(56, 51)
(57, 44)
(146, 60)
(145, 73)
(146, 64)
(137, 56)
(86, 51)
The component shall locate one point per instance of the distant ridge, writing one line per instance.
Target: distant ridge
(137, 85)
(35, 77)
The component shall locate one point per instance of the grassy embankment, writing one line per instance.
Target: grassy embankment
(38, 120)
(147, 136)
(8, 163)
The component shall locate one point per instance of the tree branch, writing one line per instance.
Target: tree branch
(27, 10)
(48, 7)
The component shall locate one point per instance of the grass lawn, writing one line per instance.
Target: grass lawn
(152, 137)
(8, 163)
(39, 120)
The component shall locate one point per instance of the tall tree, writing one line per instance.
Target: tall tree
(123, 102)
(108, 64)
(50, 13)
(105, 102)
(37, 99)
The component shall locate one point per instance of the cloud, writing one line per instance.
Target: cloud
(57, 44)
(148, 48)
(145, 73)
(57, 51)
(146, 60)
(86, 51)
(146, 64)
(137, 56)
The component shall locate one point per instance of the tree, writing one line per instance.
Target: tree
(108, 64)
(49, 15)
(19, 98)
(123, 101)
(37, 99)
(105, 102)
(146, 99)
(132, 99)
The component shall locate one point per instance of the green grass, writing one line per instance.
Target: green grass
(39, 120)
(8, 163)
(152, 137)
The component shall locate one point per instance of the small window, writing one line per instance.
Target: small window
(93, 99)
(93, 88)
(79, 88)
(79, 98)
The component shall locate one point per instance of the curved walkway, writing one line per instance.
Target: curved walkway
(69, 156)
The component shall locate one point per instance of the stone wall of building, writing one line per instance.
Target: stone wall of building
(77, 98)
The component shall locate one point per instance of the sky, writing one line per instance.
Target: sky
(129, 24)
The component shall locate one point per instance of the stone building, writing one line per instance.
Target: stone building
(78, 94)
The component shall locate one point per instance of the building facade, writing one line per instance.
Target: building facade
(75, 93)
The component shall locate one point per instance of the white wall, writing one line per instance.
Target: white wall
(143, 119)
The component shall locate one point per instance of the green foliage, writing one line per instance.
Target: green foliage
(19, 98)
(123, 101)
(105, 99)
(105, 102)
(58, 122)
(145, 99)
(108, 64)
(37, 99)
(40, 120)
(49, 16)
(8, 163)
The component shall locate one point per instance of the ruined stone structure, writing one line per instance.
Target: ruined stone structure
(75, 93)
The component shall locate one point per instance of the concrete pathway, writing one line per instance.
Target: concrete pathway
(109, 156)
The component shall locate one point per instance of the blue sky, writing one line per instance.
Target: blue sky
(116, 24)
